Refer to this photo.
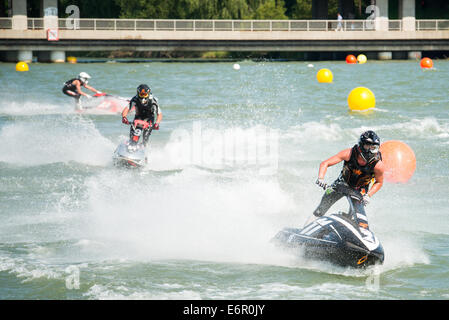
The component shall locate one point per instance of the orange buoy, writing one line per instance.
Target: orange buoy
(399, 161)
(426, 63)
(351, 59)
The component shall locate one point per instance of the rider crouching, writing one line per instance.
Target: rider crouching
(146, 108)
(362, 166)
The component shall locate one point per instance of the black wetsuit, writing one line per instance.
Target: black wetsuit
(355, 176)
(69, 88)
(147, 112)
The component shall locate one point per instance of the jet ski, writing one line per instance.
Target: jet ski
(103, 103)
(133, 152)
(336, 238)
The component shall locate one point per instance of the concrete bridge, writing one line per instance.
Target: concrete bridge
(50, 37)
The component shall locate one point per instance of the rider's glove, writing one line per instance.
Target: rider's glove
(156, 126)
(88, 96)
(125, 120)
(366, 199)
(321, 183)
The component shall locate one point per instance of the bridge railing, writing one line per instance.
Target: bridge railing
(5, 23)
(220, 25)
(225, 25)
(423, 25)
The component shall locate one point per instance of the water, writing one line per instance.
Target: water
(235, 161)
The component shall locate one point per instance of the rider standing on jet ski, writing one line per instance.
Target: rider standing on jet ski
(146, 108)
(362, 165)
(72, 88)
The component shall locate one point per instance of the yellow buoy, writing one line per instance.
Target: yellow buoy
(71, 59)
(324, 76)
(361, 99)
(361, 58)
(22, 66)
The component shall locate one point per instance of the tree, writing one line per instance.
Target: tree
(302, 10)
(90, 8)
(271, 10)
(145, 9)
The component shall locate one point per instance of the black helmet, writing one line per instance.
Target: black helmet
(143, 92)
(369, 144)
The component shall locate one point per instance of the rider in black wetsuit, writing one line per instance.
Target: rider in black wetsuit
(362, 165)
(147, 108)
(72, 88)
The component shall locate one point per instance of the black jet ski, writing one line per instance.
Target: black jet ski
(336, 238)
(133, 152)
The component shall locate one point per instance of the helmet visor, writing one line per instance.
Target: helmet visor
(373, 148)
(143, 93)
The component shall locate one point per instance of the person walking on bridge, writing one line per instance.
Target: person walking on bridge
(340, 22)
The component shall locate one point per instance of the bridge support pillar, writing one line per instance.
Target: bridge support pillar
(407, 14)
(382, 15)
(16, 56)
(50, 13)
(19, 15)
(414, 55)
(51, 56)
(385, 55)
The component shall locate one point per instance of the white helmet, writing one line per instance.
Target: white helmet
(83, 76)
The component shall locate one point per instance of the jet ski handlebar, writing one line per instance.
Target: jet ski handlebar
(348, 192)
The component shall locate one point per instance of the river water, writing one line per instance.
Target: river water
(234, 161)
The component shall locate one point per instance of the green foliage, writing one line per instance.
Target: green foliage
(222, 9)
(202, 9)
(301, 9)
(90, 8)
(271, 10)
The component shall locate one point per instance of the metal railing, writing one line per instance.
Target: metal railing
(225, 25)
(5, 23)
(221, 25)
(435, 25)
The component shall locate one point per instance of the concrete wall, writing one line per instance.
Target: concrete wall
(19, 14)
(382, 15)
(50, 13)
(407, 13)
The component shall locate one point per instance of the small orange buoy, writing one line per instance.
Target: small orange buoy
(399, 161)
(351, 59)
(426, 63)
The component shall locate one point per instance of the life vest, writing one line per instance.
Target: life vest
(68, 85)
(147, 111)
(358, 176)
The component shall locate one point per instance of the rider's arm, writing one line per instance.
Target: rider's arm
(125, 112)
(91, 88)
(78, 88)
(378, 177)
(127, 108)
(344, 155)
(159, 115)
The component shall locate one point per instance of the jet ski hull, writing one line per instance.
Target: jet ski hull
(334, 239)
(130, 157)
